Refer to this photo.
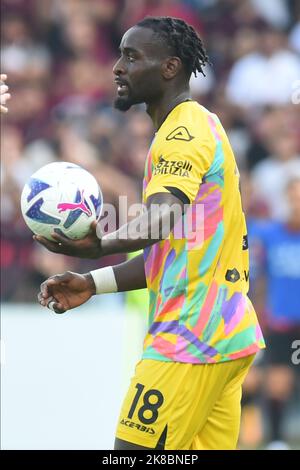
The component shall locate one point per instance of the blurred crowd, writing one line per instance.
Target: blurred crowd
(58, 56)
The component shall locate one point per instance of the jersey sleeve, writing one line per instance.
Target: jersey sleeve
(179, 166)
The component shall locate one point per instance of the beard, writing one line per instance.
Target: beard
(123, 103)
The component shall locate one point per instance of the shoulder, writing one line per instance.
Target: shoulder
(188, 122)
(188, 133)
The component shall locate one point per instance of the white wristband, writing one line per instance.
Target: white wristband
(105, 281)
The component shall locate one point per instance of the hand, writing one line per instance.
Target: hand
(66, 291)
(4, 96)
(88, 247)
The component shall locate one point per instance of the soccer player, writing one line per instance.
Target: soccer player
(203, 331)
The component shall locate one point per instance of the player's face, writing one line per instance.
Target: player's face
(138, 70)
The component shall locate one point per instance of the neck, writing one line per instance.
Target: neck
(159, 109)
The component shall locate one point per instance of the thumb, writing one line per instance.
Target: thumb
(97, 229)
(60, 278)
(93, 226)
(56, 307)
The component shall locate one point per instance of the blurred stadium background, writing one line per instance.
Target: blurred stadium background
(63, 377)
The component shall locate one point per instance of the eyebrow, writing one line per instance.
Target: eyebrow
(127, 49)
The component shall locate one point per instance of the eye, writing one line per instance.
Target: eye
(130, 58)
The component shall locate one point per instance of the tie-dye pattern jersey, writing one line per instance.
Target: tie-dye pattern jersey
(197, 279)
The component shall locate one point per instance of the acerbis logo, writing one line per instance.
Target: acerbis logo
(140, 427)
(173, 167)
(180, 133)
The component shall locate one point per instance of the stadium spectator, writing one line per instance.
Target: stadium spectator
(277, 249)
(271, 175)
(250, 78)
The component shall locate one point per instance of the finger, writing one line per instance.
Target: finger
(56, 307)
(51, 246)
(3, 77)
(66, 245)
(54, 247)
(5, 97)
(97, 230)
(41, 299)
(3, 109)
(60, 237)
(44, 301)
(59, 279)
(44, 289)
(93, 226)
(3, 89)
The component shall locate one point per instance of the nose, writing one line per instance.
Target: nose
(119, 68)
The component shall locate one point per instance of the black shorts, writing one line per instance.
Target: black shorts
(281, 348)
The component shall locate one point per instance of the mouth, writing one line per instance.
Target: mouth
(122, 87)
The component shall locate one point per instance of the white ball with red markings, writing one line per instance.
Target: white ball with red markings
(62, 197)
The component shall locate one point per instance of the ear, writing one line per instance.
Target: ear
(171, 67)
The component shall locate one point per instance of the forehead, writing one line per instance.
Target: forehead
(142, 40)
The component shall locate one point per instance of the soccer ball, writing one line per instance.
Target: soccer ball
(61, 197)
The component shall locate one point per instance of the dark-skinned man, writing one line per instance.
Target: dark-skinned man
(203, 331)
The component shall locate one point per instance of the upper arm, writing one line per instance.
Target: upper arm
(165, 209)
(168, 199)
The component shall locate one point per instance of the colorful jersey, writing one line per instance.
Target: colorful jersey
(197, 279)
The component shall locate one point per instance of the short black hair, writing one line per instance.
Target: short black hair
(182, 38)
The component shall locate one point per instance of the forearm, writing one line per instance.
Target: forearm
(130, 275)
(131, 237)
(110, 245)
(163, 211)
(123, 277)
(146, 230)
